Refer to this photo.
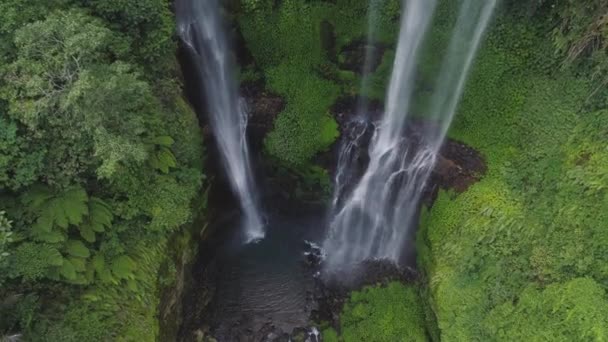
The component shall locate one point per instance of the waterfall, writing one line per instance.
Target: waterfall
(372, 220)
(201, 29)
(372, 17)
(356, 129)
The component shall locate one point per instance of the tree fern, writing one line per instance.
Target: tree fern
(99, 218)
(161, 157)
(123, 267)
(55, 210)
(99, 266)
(77, 249)
(164, 140)
(67, 270)
(79, 264)
(54, 214)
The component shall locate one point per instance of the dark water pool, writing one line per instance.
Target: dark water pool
(266, 283)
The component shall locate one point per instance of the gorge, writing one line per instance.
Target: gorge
(372, 215)
(305, 171)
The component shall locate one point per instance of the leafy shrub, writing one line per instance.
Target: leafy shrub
(391, 313)
(576, 310)
(99, 165)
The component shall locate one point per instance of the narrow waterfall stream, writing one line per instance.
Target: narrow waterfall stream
(372, 219)
(201, 29)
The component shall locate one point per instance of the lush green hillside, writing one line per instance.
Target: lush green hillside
(521, 255)
(100, 163)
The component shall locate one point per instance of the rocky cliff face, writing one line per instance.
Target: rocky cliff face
(458, 165)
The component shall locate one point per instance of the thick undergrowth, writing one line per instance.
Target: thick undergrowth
(520, 255)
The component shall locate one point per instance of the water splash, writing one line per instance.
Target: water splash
(201, 29)
(372, 220)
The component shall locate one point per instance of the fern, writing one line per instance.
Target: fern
(163, 160)
(67, 270)
(54, 214)
(79, 264)
(55, 210)
(164, 140)
(104, 274)
(72, 207)
(99, 218)
(50, 237)
(77, 249)
(161, 157)
(123, 267)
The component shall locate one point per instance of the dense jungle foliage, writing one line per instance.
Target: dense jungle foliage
(100, 162)
(521, 255)
(391, 313)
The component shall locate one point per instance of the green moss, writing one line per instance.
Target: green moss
(377, 314)
(294, 46)
(330, 335)
(302, 129)
(379, 80)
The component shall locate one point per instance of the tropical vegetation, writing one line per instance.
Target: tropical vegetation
(101, 164)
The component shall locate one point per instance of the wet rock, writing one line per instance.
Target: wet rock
(263, 108)
(345, 110)
(350, 125)
(270, 333)
(299, 335)
(458, 167)
(313, 254)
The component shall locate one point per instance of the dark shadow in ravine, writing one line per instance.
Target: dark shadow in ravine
(255, 290)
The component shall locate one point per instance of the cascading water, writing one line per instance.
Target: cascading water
(360, 227)
(200, 28)
(357, 128)
(372, 220)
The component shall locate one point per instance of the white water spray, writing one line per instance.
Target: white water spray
(373, 220)
(201, 29)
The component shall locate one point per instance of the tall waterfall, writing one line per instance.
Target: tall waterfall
(372, 219)
(201, 29)
(359, 126)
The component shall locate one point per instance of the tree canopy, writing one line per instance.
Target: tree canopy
(89, 170)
